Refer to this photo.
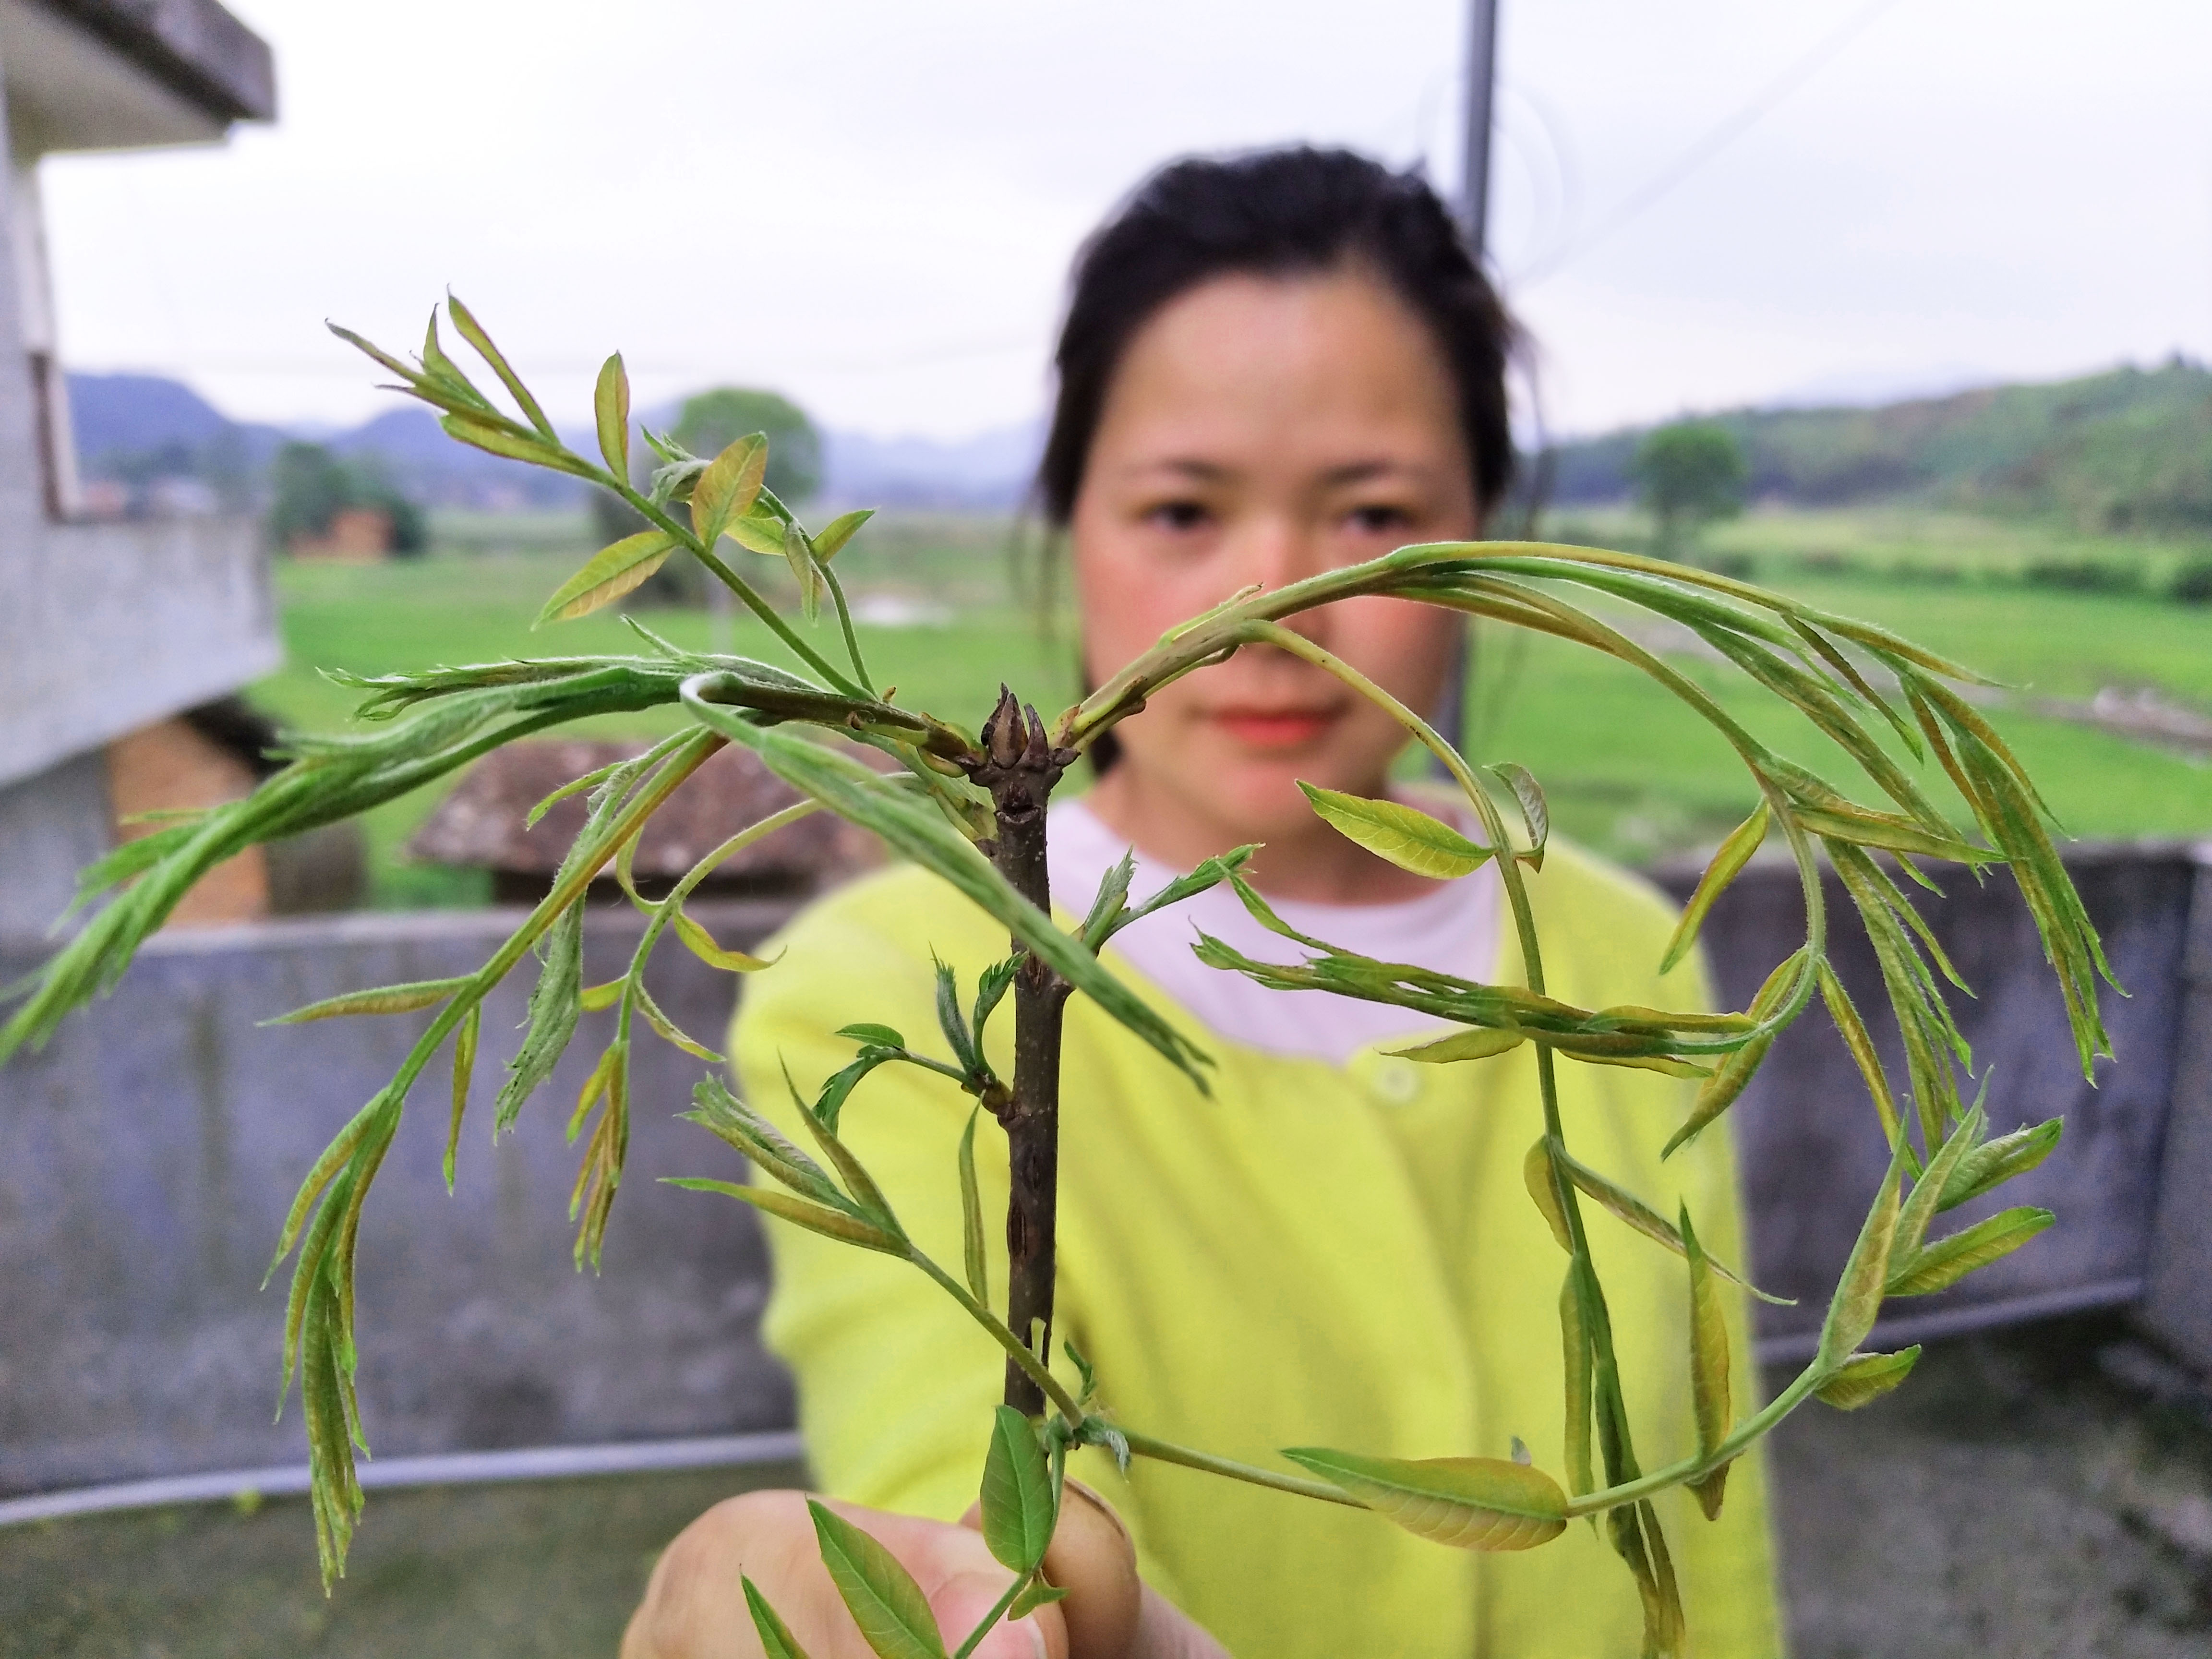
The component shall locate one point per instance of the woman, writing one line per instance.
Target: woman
(1271, 366)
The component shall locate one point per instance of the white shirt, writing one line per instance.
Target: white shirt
(1451, 930)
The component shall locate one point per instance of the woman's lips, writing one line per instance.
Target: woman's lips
(1273, 728)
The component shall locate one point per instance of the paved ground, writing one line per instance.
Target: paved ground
(2047, 1492)
(2044, 1492)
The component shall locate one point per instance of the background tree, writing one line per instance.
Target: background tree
(1688, 475)
(712, 421)
(708, 423)
(310, 485)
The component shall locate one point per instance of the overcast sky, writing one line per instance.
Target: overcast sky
(871, 205)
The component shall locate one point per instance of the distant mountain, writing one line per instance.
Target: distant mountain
(131, 428)
(991, 470)
(134, 428)
(2130, 449)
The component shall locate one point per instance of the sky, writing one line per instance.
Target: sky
(872, 205)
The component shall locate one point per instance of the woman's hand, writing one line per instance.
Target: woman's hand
(695, 1605)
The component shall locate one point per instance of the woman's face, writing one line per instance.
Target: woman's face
(1261, 430)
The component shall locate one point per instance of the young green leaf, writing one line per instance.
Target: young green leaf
(1467, 1503)
(1734, 1074)
(1036, 1594)
(803, 570)
(1574, 1338)
(728, 488)
(1853, 1030)
(1536, 1175)
(1858, 1301)
(1948, 1261)
(1110, 900)
(972, 1259)
(1210, 873)
(949, 1022)
(465, 1065)
(876, 1037)
(814, 1218)
(1996, 1162)
(1405, 835)
(1728, 864)
(1528, 795)
(1708, 1369)
(830, 1104)
(723, 1115)
(991, 987)
(1892, 834)
(839, 531)
(702, 944)
(885, 1602)
(610, 408)
(1865, 1378)
(1920, 1209)
(607, 575)
(757, 533)
(597, 999)
(1476, 1042)
(775, 1638)
(867, 1197)
(555, 1005)
(1626, 1207)
(669, 1032)
(473, 331)
(479, 432)
(1018, 1505)
(384, 999)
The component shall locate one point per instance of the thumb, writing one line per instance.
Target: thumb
(1093, 1560)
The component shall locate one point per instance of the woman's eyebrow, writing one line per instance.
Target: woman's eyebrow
(1202, 471)
(1356, 472)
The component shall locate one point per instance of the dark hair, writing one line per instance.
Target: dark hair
(1276, 213)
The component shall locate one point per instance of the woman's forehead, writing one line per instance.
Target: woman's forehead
(1331, 366)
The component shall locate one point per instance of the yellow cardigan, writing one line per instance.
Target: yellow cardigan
(1316, 1255)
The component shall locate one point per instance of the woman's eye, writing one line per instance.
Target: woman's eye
(1380, 520)
(1178, 515)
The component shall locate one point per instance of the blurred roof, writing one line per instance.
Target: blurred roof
(123, 74)
(482, 823)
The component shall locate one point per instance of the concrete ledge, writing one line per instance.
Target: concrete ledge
(725, 1451)
(184, 602)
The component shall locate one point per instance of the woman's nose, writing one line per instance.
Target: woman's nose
(1276, 552)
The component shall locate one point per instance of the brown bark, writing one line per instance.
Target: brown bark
(1019, 766)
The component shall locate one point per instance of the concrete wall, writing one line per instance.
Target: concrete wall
(52, 824)
(1813, 1154)
(147, 1157)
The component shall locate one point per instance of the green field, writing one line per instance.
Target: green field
(1628, 771)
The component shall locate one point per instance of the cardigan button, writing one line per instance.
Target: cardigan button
(1395, 1081)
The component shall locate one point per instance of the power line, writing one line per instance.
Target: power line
(1727, 132)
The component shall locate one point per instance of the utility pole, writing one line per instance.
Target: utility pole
(1475, 224)
(1482, 90)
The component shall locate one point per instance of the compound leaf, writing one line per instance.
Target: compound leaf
(608, 575)
(1948, 1261)
(1405, 835)
(775, 1638)
(1468, 1503)
(1865, 1378)
(1018, 1506)
(885, 1602)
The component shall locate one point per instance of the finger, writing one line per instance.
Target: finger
(1092, 1558)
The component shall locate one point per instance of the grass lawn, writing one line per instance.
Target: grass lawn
(1628, 771)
